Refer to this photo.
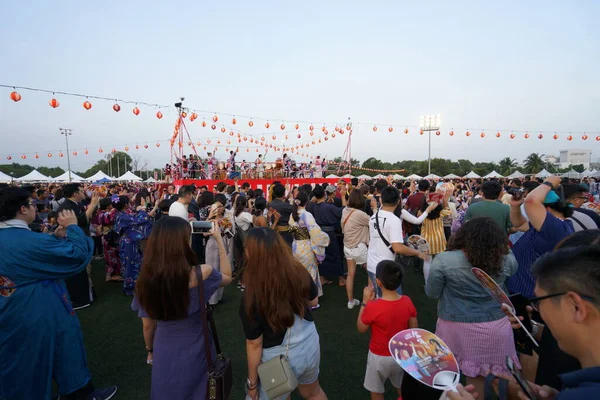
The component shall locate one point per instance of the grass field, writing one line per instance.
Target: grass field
(116, 354)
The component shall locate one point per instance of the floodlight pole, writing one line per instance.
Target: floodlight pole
(430, 123)
(67, 133)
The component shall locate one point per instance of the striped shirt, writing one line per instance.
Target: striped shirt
(433, 231)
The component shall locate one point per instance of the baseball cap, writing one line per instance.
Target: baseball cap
(330, 189)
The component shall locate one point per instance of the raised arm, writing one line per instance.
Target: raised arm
(534, 203)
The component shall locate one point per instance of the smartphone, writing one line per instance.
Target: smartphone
(201, 226)
(519, 378)
(522, 341)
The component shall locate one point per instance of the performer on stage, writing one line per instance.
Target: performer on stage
(318, 168)
(211, 165)
(287, 165)
(192, 166)
(260, 168)
(167, 171)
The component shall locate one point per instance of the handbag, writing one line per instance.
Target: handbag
(276, 375)
(220, 375)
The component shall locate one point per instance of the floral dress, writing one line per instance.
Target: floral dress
(309, 244)
(111, 253)
(132, 229)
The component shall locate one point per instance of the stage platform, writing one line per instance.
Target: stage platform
(255, 183)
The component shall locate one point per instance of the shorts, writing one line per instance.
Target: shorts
(358, 253)
(379, 370)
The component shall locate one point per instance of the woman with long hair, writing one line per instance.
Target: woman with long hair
(469, 319)
(258, 211)
(433, 226)
(275, 312)
(310, 241)
(167, 299)
(132, 229)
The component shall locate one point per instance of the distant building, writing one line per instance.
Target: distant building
(551, 159)
(575, 157)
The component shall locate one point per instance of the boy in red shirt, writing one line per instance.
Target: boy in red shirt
(386, 316)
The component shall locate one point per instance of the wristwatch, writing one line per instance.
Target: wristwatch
(535, 328)
(250, 385)
(549, 184)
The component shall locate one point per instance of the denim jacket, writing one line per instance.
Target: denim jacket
(462, 298)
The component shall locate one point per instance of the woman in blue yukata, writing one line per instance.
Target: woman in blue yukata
(40, 335)
(132, 229)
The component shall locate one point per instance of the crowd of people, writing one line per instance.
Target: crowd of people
(174, 250)
(210, 167)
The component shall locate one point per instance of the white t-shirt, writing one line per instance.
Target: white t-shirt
(178, 209)
(391, 228)
(244, 220)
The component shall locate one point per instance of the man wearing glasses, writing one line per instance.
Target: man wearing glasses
(583, 219)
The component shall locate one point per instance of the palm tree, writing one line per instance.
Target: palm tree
(534, 163)
(506, 165)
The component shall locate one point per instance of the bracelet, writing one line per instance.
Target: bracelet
(363, 305)
(149, 350)
(550, 185)
(251, 386)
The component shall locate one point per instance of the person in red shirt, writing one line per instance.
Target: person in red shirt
(385, 316)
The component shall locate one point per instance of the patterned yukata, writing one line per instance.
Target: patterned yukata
(132, 229)
(310, 252)
(111, 254)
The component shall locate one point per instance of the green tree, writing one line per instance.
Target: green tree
(534, 163)
(484, 168)
(464, 167)
(51, 171)
(578, 167)
(16, 170)
(507, 165)
(114, 164)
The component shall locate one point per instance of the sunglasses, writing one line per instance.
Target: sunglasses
(535, 302)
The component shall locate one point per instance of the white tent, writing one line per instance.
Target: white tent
(398, 177)
(65, 177)
(33, 176)
(379, 176)
(129, 176)
(414, 177)
(432, 176)
(572, 174)
(472, 175)
(347, 176)
(363, 176)
(493, 174)
(98, 176)
(516, 174)
(451, 176)
(543, 174)
(4, 177)
(587, 173)
(150, 180)
(332, 176)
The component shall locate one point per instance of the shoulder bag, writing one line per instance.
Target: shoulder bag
(220, 375)
(276, 375)
(383, 239)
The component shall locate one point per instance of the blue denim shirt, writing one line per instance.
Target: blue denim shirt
(462, 298)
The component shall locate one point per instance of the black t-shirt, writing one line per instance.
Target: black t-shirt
(553, 362)
(79, 211)
(284, 209)
(257, 325)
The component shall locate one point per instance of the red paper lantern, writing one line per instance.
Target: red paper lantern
(584, 137)
(233, 121)
(482, 134)
(498, 134)
(311, 133)
(53, 103)
(86, 151)
(14, 96)
(215, 118)
(100, 150)
(194, 116)
(9, 158)
(375, 129)
(213, 127)
(274, 137)
(37, 156)
(438, 133)
(231, 133)
(262, 139)
(406, 130)
(183, 114)
(157, 144)
(159, 115)
(208, 141)
(87, 105)
(245, 138)
(267, 125)
(468, 133)
(569, 138)
(23, 156)
(333, 135)
(60, 154)
(390, 129)
(319, 140)
(74, 153)
(137, 146)
(223, 130)
(204, 124)
(250, 123)
(282, 127)
(136, 110)
(512, 135)
(326, 138)
(145, 146)
(297, 126)
(116, 107)
(540, 136)
(49, 154)
(299, 136)
(598, 138)
(451, 133)
(527, 136)
(228, 141)
(126, 148)
(555, 137)
(326, 132)
(421, 132)
(348, 127)
(311, 127)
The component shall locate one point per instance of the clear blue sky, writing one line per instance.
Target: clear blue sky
(509, 65)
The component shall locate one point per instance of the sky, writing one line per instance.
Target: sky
(488, 66)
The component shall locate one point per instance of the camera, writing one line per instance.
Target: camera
(201, 226)
(515, 193)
